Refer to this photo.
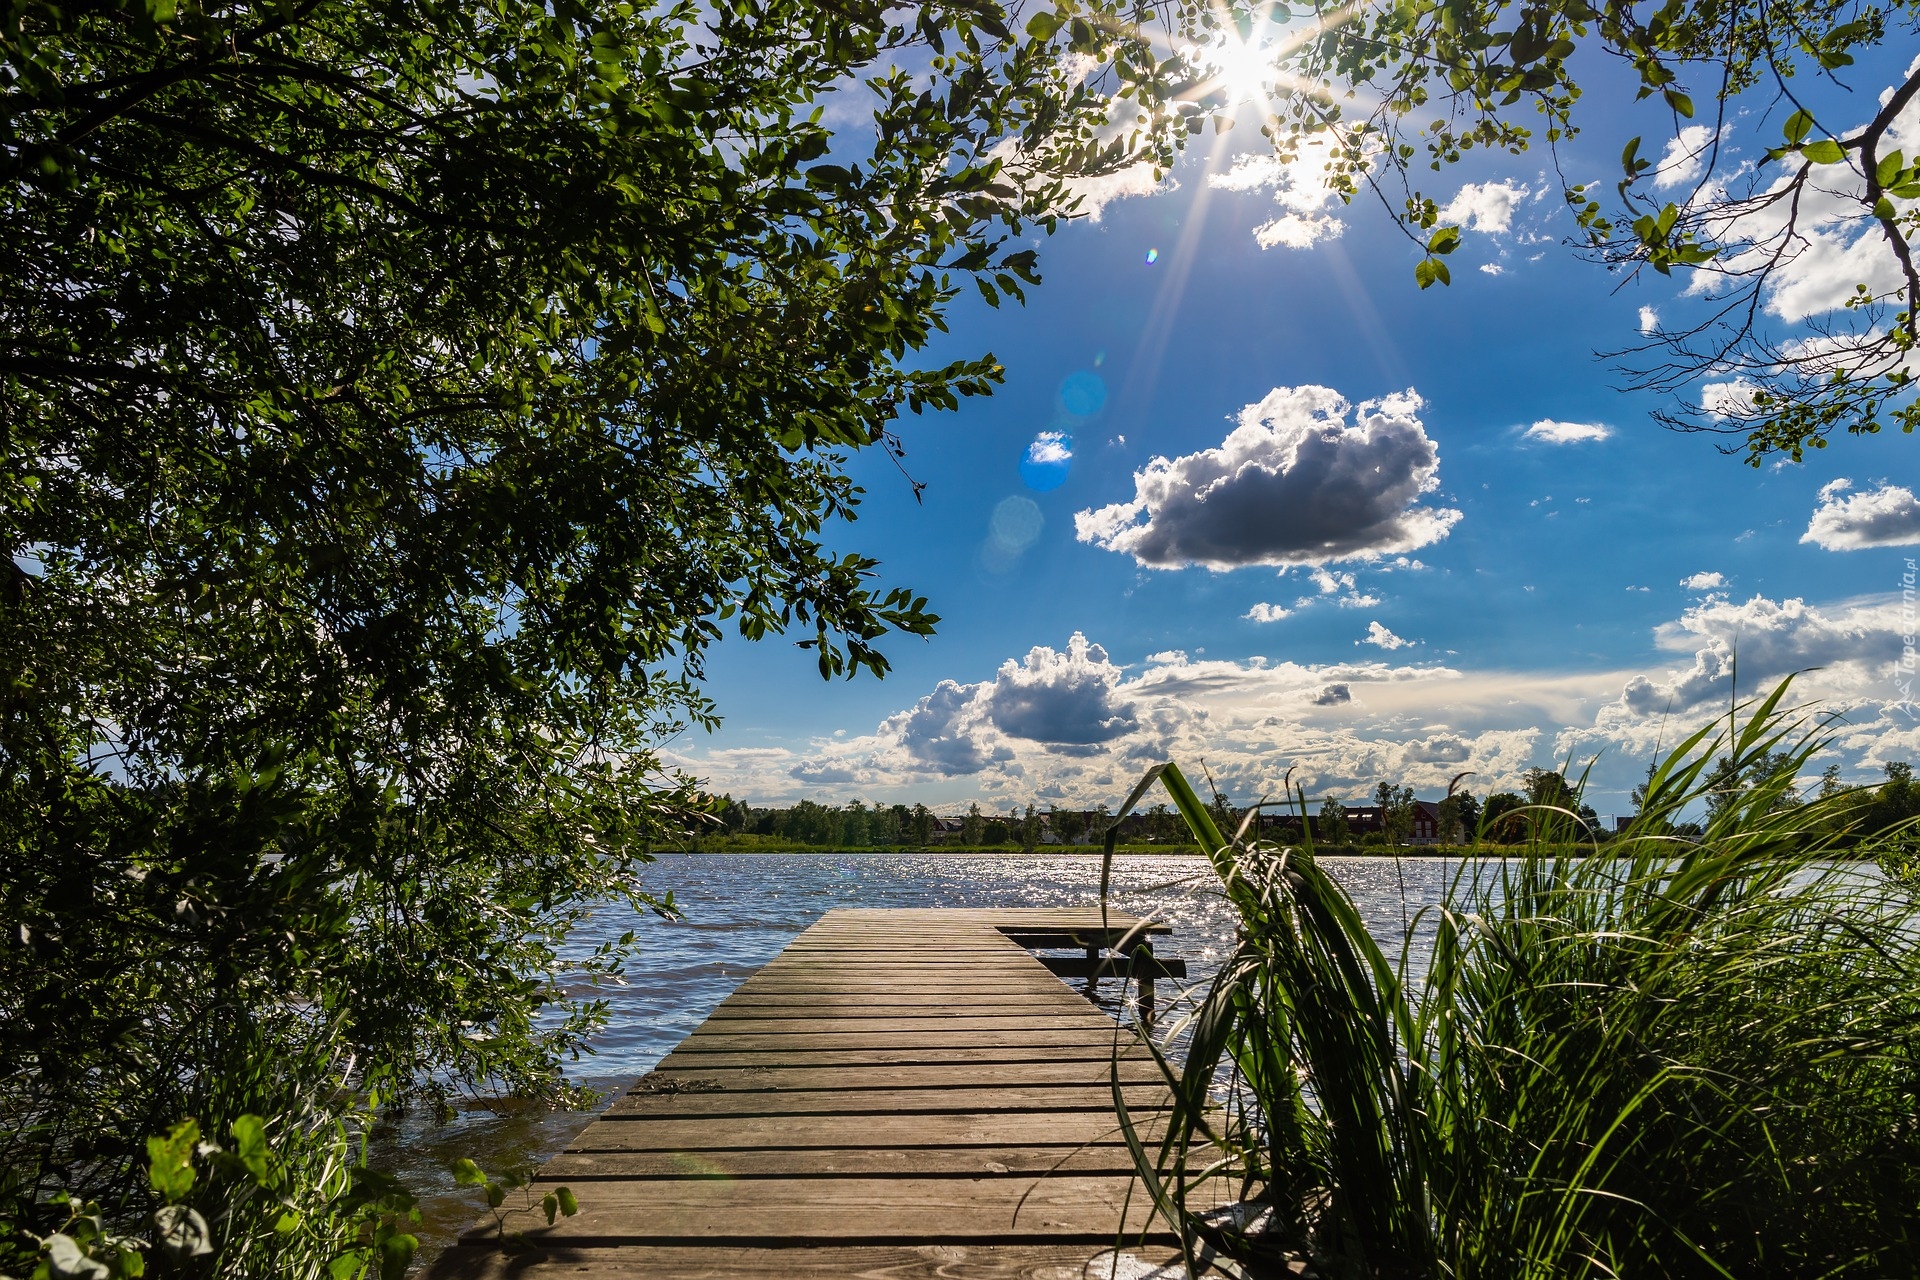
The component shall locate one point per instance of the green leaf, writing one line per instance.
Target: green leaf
(1799, 124)
(1825, 151)
(1680, 102)
(250, 1145)
(1444, 241)
(468, 1174)
(568, 1205)
(1043, 24)
(170, 1161)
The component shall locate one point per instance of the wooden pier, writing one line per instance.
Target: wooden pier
(900, 1093)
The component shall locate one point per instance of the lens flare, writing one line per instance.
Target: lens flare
(1153, 256)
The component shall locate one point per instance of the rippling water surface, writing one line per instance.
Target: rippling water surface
(740, 910)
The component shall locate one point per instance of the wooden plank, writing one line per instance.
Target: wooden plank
(1083, 1071)
(911, 1101)
(744, 1133)
(1076, 1017)
(703, 1041)
(766, 1213)
(831, 1262)
(894, 1055)
(1111, 1159)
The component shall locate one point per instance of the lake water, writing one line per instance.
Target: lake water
(740, 910)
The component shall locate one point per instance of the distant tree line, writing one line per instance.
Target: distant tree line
(1394, 816)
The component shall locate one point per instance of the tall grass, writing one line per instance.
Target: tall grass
(1669, 1057)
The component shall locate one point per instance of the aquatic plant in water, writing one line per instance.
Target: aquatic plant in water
(1665, 1054)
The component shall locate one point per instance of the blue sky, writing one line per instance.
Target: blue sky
(1392, 535)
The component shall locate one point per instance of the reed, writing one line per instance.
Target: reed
(1669, 1057)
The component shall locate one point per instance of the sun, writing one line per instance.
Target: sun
(1243, 70)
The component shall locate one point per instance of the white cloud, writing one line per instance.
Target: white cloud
(1300, 187)
(1728, 399)
(1703, 582)
(1550, 432)
(1264, 612)
(1330, 582)
(1297, 231)
(1377, 634)
(1767, 639)
(1888, 516)
(1095, 194)
(1649, 320)
(1685, 158)
(1359, 601)
(943, 732)
(1485, 206)
(1064, 699)
(1493, 268)
(1050, 447)
(1293, 483)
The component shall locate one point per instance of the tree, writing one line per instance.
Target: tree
(973, 827)
(1459, 817)
(398, 402)
(1765, 780)
(1501, 819)
(885, 824)
(1896, 801)
(1396, 811)
(1330, 825)
(922, 826)
(855, 828)
(1068, 824)
(1761, 231)
(1030, 829)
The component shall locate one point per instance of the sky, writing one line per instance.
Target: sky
(1250, 499)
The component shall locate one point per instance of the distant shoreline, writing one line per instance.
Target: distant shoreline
(1088, 851)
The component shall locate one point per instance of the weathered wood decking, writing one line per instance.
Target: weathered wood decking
(899, 1093)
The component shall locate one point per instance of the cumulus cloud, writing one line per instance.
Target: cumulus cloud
(1485, 206)
(1703, 582)
(1064, 699)
(942, 732)
(1377, 634)
(1264, 612)
(1300, 187)
(1649, 320)
(1547, 431)
(1292, 484)
(1333, 695)
(1685, 158)
(1050, 448)
(1768, 639)
(1888, 516)
(1441, 748)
